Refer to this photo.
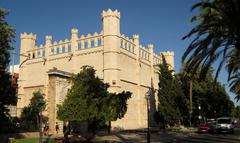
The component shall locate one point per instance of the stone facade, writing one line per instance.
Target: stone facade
(119, 60)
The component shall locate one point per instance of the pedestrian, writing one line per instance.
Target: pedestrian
(57, 128)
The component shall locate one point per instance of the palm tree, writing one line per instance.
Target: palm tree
(234, 68)
(216, 37)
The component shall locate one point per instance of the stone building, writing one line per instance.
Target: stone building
(119, 60)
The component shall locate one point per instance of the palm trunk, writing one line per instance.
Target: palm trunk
(190, 112)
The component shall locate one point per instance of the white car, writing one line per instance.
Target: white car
(224, 124)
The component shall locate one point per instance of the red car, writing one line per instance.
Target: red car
(203, 128)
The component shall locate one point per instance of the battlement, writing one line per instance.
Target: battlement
(48, 37)
(28, 36)
(167, 53)
(93, 40)
(74, 31)
(150, 46)
(135, 36)
(109, 12)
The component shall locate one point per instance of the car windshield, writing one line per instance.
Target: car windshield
(225, 121)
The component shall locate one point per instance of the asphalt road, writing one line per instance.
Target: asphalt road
(210, 138)
(172, 137)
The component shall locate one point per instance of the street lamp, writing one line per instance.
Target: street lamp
(147, 96)
(199, 117)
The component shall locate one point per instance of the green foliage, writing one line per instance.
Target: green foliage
(208, 94)
(172, 102)
(7, 91)
(216, 37)
(236, 112)
(30, 114)
(88, 100)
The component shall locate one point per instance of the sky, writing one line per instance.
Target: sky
(160, 22)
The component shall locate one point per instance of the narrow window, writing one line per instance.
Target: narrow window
(38, 53)
(43, 53)
(52, 50)
(29, 55)
(58, 51)
(86, 44)
(92, 43)
(63, 49)
(69, 49)
(79, 45)
(99, 41)
(33, 55)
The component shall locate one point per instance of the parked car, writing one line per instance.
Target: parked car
(203, 128)
(224, 124)
(212, 127)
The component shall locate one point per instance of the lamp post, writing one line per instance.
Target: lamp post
(200, 115)
(147, 96)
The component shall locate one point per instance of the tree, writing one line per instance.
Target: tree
(31, 117)
(88, 100)
(236, 112)
(172, 102)
(234, 68)
(216, 36)
(7, 91)
(210, 99)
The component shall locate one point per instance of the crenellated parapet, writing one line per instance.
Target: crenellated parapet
(110, 13)
(167, 53)
(169, 56)
(76, 43)
(92, 40)
(28, 36)
(144, 53)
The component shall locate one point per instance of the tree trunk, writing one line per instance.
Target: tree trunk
(190, 94)
(109, 127)
(40, 128)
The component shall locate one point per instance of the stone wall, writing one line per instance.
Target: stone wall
(119, 60)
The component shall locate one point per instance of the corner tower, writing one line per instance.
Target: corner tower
(28, 42)
(111, 48)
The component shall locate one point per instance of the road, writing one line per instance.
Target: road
(172, 137)
(210, 138)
